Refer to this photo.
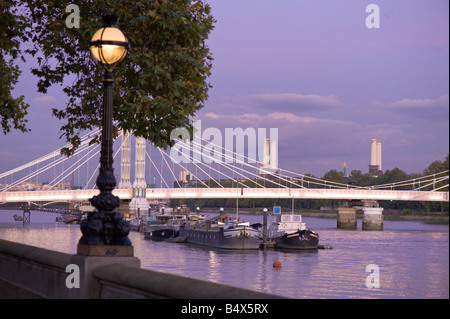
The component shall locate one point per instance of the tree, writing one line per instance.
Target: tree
(392, 176)
(362, 179)
(13, 110)
(334, 176)
(160, 85)
(436, 167)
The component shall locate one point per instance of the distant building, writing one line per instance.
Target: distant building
(64, 186)
(347, 178)
(184, 179)
(375, 169)
(27, 186)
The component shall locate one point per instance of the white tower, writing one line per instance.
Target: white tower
(373, 153)
(139, 200)
(379, 155)
(125, 180)
(375, 158)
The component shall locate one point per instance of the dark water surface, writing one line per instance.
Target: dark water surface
(412, 258)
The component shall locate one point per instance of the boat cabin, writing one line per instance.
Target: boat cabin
(288, 223)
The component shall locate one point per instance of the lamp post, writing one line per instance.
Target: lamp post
(265, 228)
(104, 231)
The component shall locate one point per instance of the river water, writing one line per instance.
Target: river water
(412, 259)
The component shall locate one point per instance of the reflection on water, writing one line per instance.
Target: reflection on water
(412, 258)
(214, 263)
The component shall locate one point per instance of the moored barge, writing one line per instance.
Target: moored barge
(239, 236)
(291, 233)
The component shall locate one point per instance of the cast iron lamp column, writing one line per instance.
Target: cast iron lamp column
(104, 231)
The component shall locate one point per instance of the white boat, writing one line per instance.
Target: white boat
(290, 232)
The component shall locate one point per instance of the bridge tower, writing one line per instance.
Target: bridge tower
(139, 204)
(125, 181)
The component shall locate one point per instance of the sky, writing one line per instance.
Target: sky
(317, 73)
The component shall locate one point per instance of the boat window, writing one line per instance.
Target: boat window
(291, 218)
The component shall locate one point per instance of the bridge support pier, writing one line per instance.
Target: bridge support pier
(26, 215)
(373, 218)
(346, 218)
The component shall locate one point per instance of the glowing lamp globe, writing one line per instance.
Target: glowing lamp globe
(109, 45)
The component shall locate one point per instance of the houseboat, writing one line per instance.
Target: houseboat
(291, 233)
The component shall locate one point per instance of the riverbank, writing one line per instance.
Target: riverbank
(440, 218)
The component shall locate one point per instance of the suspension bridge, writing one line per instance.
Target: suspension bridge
(245, 177)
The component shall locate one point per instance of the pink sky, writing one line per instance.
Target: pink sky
(317, 73)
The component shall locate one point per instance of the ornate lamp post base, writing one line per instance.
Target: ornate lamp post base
(105, 250)
(104, 231)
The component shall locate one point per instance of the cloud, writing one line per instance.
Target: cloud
(284, 102)
(44, 101)
(307, 143)
(295, 100)
(430, 109)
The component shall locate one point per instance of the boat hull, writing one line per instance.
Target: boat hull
(161, 232)
(73, 221)
(300, 240)
(238, 238)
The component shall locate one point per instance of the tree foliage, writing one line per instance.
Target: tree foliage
(436, 167)
(13, 110)
(160, 85)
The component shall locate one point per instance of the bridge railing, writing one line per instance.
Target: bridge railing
(433, 182)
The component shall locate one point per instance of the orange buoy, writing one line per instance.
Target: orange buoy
(277, 264)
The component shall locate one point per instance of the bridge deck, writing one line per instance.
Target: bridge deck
(167, 193)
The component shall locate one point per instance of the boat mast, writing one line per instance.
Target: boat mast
(237, 201)
(292, 210)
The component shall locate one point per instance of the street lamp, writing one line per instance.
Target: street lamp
(265, 228)
(104, 231)
(109, 45)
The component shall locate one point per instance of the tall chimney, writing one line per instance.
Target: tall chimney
(379, 155)
(373, 153)
(375, 158)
